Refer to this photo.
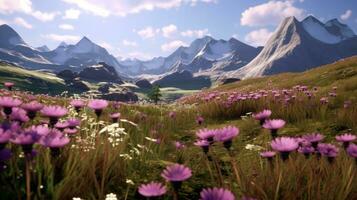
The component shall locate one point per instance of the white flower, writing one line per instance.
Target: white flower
(253, 147)
(111, 196)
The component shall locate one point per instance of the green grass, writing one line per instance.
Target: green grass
(342, 73)
(34, 81)
(100, 161)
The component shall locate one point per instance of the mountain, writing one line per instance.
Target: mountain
(219, 56)
(297, 46)
(202, 54)
(43, 48)
(184, 80)
(75, 57)
(84, 53)
(14, 49)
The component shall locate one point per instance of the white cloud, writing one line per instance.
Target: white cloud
(21, 22)
(258, 37)
(124, 7)
(71, 14)
(44, 16)
(172, 45)
(3, 22)
(66, 27)
(169, 31)
(64, 38)
(129, 43)
(147, 32)
(346, 15)
(10, 6)
(195, 33)
(270, 13)
(25, 6)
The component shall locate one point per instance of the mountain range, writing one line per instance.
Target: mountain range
(294, 46)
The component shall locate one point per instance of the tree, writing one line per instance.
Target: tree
(155, 94)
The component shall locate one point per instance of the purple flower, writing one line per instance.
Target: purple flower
(204, 144)
(216, 194)
(199, 120)
(98, 105)
(32, 108)
(54, 139)
(328, 150)
(262, 116)
(179, 145)
(115, 117)
(26, 138)
(8, 103)
(42, 130)
(284, 145)
(9, 85)
(19, 115)
(61, 125)
(268, 154)
(226, 135)
(346, 139)
(176, 173)
(5, 136)
(70, 131)
(54, 113)
(313, 138)
(73, 122)
(172, 114)
(274, 125)
(324, 100)
(77, 104)
(306, 150)
(206, 134)
(352, 150)
(152, 189)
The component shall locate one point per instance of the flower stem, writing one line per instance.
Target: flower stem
(235, 169)
(28, 178)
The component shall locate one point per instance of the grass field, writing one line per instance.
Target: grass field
(105, 157)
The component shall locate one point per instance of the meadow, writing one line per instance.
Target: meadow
(289, 136)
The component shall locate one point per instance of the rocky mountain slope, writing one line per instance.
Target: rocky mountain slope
(297, 46)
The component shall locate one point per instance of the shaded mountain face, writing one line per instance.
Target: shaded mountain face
(184, 80)
(101, 72)
(9, 38)
(297, 46)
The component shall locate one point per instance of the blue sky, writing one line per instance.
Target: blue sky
(148, 28)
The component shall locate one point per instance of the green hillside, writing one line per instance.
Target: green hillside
(342, 73)
(34, 81)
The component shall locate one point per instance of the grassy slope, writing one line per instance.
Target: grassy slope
(37, 82)
(341, 73)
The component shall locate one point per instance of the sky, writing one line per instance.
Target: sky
(148, 28)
